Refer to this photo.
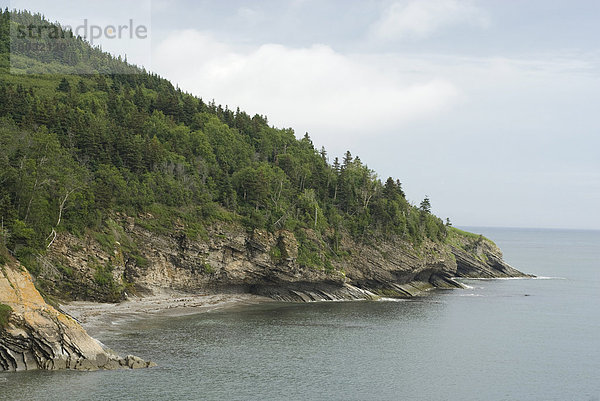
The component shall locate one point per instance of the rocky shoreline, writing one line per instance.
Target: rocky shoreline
(172, 274)
(36, 336)
(96, 316)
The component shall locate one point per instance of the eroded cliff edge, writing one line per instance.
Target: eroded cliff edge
(34, 335)
(130, 258)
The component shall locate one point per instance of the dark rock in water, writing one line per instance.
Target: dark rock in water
(37, 336)
(133, 362)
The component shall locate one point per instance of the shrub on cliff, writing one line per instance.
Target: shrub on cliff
(5, 312)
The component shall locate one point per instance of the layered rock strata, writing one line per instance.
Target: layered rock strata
(229, 259)
(37, 336)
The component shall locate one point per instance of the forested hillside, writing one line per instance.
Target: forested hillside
(77, 148)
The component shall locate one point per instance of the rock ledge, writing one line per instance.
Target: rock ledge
(37, 336)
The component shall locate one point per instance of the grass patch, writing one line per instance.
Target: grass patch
(327, 265)
(208, 269)
(4, 258)
(106, 240)
(161, 221)
(76, 248)
(113, 237)
(31, 264)
(103, 276)
(468, 242)
(65, 270)
(308, 255)
(275, 254)
(311, 255)
(464, 239)
(195, 230)
(473, 236)
(140, 261)
(5, 312)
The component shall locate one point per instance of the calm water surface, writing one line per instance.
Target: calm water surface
(497, 340)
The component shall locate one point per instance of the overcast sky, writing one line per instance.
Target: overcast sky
(489, 107)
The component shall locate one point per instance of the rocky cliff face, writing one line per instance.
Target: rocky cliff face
(230, 259)
(481, 258)
(37, 336)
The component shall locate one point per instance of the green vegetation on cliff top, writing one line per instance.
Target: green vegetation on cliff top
(77, 149)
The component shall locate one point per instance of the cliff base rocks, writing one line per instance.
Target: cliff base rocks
(34, 335)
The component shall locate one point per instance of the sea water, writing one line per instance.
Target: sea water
(520, 339)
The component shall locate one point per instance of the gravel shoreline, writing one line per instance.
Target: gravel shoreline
(97, 317)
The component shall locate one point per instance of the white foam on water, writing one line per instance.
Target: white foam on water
(499, 278)
(385, 299)
(549, 278)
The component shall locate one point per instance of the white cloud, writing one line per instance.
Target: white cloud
(313, 88)
(422, 18)
(249, 15)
